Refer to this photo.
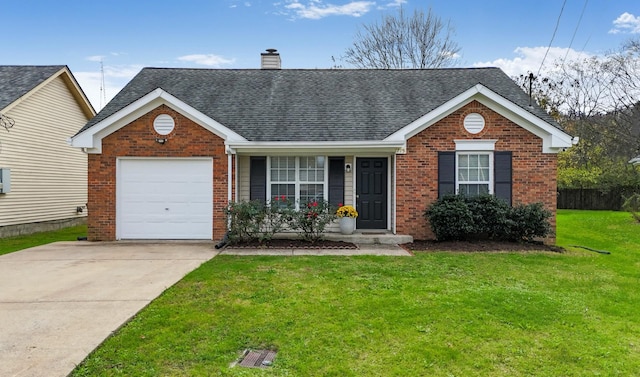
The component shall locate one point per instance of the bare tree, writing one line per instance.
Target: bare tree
(597, 99)
(398, 41)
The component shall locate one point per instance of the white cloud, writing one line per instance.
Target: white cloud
(626, 23)
(95, 58)
(317, 9)
(530, 58)
(115, 78)
(395, 3)
(207, 59)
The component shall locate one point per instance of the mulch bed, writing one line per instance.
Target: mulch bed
(416, 246)
(295, 244)
(484, 245)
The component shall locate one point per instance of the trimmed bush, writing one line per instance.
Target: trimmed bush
(490, 216)
(450, 218)
(256, 220)
(457, 217)
(528, 222)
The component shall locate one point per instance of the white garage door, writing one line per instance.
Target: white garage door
(164, 199)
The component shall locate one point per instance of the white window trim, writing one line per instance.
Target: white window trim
(475, 145)
(491, 178)
(297, 183)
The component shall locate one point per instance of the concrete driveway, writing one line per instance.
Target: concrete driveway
(60, 301)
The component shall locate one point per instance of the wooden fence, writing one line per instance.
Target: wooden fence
(596, 199)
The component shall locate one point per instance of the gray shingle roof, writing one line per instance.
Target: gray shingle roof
(315, 105)
(18, 80)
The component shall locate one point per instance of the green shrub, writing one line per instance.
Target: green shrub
(632, 204)
(312, 219)
(256, 220)
(528, 222)
(457, 217)
(450, 218)
(490, 216)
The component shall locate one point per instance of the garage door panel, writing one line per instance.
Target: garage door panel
(165, 199)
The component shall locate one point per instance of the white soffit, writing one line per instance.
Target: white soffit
(91, 138)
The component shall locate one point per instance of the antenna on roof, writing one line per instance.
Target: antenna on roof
(530, 89)
(103, 94)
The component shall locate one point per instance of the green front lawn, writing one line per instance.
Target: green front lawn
(435, 314)
(11, 244)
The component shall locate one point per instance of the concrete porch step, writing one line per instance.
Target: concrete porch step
(361, 237)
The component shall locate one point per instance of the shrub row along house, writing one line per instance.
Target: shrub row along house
(43, 182)
(175, 146)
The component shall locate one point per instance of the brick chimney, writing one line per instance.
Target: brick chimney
(270, 59)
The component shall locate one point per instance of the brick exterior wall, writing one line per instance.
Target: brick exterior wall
(137, 139)
(534, 173)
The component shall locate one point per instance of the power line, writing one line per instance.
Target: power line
(575, 31)
(552, 37)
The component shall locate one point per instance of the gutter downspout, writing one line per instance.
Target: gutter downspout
(225, 238)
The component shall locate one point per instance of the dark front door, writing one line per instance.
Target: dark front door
(371, 193)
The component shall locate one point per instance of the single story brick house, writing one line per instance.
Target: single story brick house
(175, 146)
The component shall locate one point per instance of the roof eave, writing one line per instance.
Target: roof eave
(91, 139)
(554, 139)
(324, 148)
(71, 83)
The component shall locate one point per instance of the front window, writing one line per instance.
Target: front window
(301, 179)
(474, 174)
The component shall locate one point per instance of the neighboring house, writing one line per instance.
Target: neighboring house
(170, 151)
(44, 181)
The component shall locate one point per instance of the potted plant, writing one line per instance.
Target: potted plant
(347, 215)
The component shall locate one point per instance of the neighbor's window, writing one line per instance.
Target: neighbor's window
(474, 173)
(300, 179)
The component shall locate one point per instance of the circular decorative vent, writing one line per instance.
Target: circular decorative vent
(474, 123)
(164, 124)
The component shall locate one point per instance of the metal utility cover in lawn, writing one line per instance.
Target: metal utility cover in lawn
(257, 358)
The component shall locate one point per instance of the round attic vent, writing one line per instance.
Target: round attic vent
(474, 123)
(164, 124)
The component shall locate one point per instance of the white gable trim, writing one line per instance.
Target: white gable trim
(553, 139)
(72, 85)
(91, 138)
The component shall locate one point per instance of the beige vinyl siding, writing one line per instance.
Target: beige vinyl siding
(48, 177)
(349, 189)
(244, 178)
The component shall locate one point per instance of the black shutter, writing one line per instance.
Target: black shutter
(502, 174)
(258, 179)
(336, 180)
(446, 173)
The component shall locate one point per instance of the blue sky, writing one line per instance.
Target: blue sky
(127, 35)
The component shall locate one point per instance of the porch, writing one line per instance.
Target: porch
(361, 237)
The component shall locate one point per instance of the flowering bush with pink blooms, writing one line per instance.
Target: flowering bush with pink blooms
(312, 219)
(259, 221)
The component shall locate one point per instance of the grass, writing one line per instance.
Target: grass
(11, 244)
(436, 314)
